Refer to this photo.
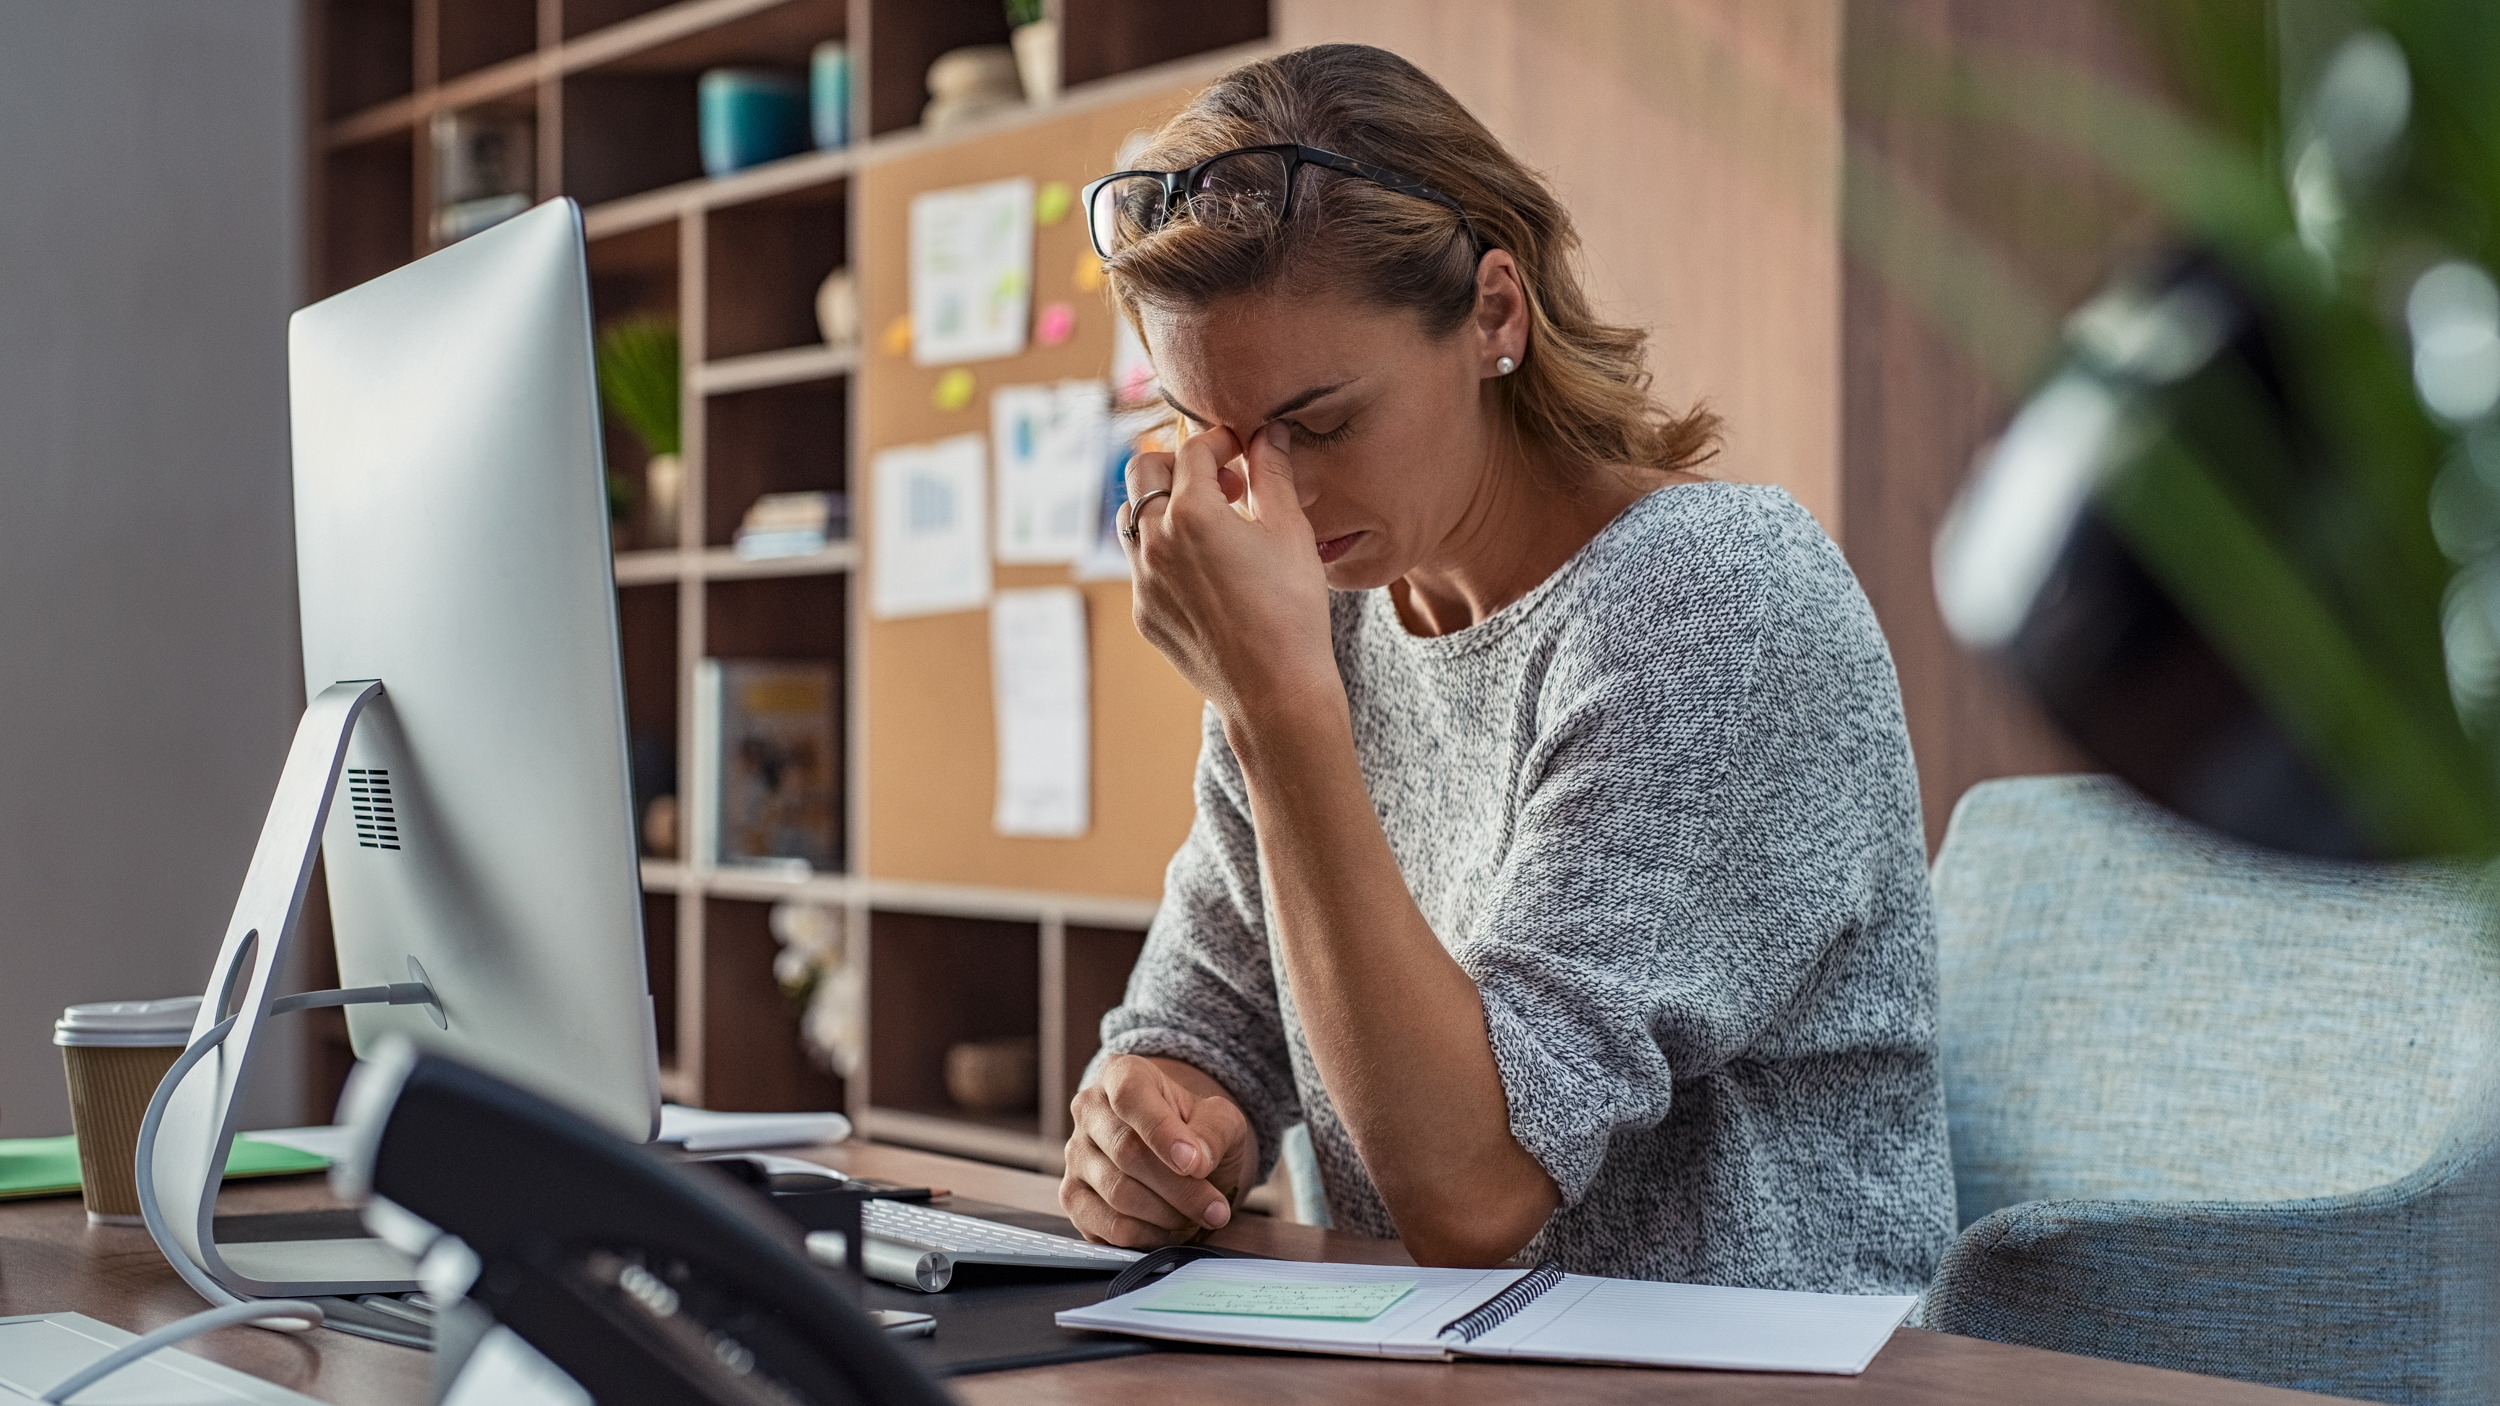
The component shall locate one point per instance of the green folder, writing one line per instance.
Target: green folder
(48, 1166)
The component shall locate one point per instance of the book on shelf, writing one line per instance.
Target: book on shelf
(767, 790)
(792, 524)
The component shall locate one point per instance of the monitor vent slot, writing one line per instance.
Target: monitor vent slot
(377, 821)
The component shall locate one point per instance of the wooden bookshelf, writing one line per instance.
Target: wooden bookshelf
(964, 934)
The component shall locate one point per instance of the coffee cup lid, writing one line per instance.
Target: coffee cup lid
(160, 1022)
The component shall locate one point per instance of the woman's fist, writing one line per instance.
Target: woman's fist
(1157, 1154)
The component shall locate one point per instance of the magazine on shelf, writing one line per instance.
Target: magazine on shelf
(767, 773)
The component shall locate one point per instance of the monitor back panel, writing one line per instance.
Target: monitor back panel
(452, 541)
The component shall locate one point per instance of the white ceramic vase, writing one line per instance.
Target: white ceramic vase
(664, 482)
(837, 308)
(1037, 59)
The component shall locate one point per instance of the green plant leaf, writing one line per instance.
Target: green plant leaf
(639, 379)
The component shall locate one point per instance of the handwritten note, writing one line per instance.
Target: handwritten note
(1351, 1303)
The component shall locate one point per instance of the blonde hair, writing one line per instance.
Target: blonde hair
(1581, 389)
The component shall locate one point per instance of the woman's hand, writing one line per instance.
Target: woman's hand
(1228, 580)
(1158, 1153)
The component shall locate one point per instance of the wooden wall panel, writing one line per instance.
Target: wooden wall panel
(1917, 407)
(1915, 413)
(1697, 145)
(931, 739)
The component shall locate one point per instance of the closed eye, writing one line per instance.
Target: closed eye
(1314, 439)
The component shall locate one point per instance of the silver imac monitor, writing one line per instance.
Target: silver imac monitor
(466, 734)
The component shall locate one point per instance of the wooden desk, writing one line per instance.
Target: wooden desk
(50, 1260)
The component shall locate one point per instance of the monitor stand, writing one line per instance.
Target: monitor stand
(196, 1128)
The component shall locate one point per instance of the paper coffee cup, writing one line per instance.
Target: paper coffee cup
(115, 1053)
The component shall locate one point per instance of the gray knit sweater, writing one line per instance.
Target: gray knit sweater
(1662, 810)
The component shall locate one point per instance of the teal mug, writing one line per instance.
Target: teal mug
(829, 93)
(749, 116)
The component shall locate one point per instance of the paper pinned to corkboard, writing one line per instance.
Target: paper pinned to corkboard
(929, 551)
(1038, 678)
(971, 271)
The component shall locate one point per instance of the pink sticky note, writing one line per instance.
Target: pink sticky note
(1056, 324)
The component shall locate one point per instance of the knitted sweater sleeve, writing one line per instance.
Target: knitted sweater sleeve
(1204, 991)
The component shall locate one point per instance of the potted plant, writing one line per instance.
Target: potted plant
(638, 384)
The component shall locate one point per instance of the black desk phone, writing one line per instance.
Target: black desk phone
(650, 1283)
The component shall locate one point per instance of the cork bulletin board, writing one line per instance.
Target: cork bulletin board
(930, 737)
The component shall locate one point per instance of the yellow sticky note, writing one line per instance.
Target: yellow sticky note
(1088, 274)
(1052, 202)
(897, 337)
(954, 389)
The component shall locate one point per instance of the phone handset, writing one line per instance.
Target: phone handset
(645, 1281)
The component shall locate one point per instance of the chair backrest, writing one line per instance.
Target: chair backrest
(2135, 1009)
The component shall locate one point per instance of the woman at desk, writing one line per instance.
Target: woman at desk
(1557, 856)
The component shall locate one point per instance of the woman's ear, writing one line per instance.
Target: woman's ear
(1501, 321)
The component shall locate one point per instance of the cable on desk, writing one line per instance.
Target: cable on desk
(192, 1273)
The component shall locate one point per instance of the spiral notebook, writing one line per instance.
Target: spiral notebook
(1539, 1314)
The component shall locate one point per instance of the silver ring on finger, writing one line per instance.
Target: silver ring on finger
(1136, 529)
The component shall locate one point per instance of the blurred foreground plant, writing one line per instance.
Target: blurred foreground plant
(2244, 537)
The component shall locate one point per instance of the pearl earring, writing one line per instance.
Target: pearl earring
(1503, 366)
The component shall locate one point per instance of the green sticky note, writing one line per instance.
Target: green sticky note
(1351, 1303)
(250, 1157)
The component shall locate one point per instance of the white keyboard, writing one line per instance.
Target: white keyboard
(919, 1246)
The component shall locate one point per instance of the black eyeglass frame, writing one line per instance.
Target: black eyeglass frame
(1176, 185)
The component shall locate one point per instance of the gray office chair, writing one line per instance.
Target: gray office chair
(2214, 1109)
